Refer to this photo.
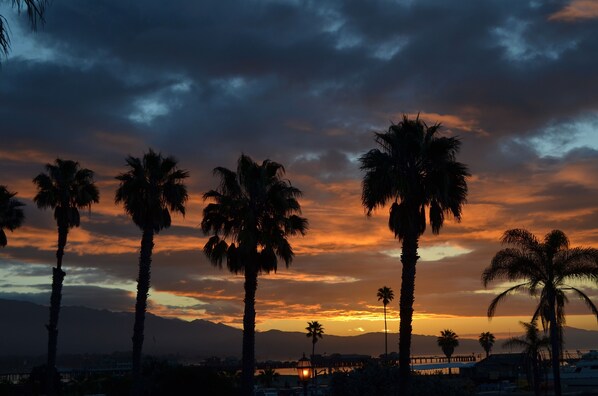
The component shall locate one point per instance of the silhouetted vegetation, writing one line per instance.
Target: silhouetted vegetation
(532, 344)
(66, 188)
(448, 341)
(11, 213)
(252, 213)
(376, 379)
(544, 267)
(487, 342)
(151, 189)
(413, 169)
(386, 295)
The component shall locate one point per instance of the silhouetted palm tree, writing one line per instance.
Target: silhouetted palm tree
(151, 189)
(413, 169)
(11, 213)
(314, 331)
(253, 213)
(386, 295)
(544, 267)
(487, 342)
(66, 188)
(448, 341)
(532, 344)
(35, 12)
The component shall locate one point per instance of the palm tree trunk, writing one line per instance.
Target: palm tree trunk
(313, 361)
(143, 285)
(409, 259)
(57, 279)
(555, 344)
(536, 376)
(248, 364)
(385, 337)
(449, 362)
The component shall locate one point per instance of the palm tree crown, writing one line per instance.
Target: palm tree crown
(314, 331)
(414, 170)
(386, 295)
(448, 341)
(252, 213)
(487, 342)
(255, 210)
(543, 270)
(66, 188)
(11, 213)
(151, 189)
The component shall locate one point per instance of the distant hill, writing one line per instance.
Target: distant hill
(86, 330)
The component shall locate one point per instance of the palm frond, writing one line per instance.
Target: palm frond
(500, 297)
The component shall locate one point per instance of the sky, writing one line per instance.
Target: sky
(306, 84)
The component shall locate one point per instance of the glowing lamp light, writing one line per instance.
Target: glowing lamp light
(304, 369)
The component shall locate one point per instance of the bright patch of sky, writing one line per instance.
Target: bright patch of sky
(32, 278)
(172, 300)
(23, 44)
(388, 49)
(514, 39)
(156, 105)
(558, 139)
(433, 253)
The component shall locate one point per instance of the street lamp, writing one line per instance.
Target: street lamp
(304, 370)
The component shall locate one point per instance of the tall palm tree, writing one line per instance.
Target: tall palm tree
(11, 213)
(386, 295)
(150, 190)
(252, 213)
(544, 267)
(413, 169)
(487, 342)
(35, 12)
(314, 331)
(532, 344)
(66, 188)
(448, 341)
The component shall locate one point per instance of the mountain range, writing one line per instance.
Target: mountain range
(86, 330)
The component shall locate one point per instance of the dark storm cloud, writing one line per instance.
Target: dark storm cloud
(305, 84)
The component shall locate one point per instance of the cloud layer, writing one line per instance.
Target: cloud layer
(304, 84)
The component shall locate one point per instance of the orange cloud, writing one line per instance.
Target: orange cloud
(576, 10)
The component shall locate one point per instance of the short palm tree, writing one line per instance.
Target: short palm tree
(487, 342)
(150, 190)
(252, 213)
(66, 188)
(532, 344)
(11, 213)
(543, 268)
(386, 295)
(413, 169)
(448, 341)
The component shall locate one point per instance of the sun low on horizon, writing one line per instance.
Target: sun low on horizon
(307, 86)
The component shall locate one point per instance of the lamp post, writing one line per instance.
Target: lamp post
(304, 370)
